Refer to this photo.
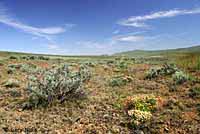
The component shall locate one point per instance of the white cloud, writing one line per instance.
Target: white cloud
(53, 46)
(7, 19)
(139, 21)
(130, 38)
(91, 44)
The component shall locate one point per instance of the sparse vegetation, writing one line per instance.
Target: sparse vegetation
(194, 92)
(118, 98)
(55, 84)
(166, 69)
(12, 83)
(120, 80)
(13, 57)
(189, 61)
(179, 77)
(140, 109)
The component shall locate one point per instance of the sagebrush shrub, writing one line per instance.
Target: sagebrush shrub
(120, 80)
(13, 57)
(12, 83)
(57, 84)
(166, 69)
(179, 77)
(29, 68)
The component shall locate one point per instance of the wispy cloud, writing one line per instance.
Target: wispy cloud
(130, 38)
(7, 19)
(53, 46)
(139, 21)
(116, 32)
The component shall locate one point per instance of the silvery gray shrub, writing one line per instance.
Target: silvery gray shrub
(166, 69)
(56, 84)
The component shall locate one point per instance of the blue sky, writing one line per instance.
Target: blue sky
(83, 27)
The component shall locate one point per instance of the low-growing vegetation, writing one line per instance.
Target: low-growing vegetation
(120, 80)
(139, 109)
(189, 61)
(194, 92)
(57, 84)
(12, 83)
(98, 95)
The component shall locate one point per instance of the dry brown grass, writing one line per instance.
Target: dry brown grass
(189, 61)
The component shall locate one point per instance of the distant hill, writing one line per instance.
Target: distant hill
(144, 53)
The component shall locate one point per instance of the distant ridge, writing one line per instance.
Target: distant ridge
(143, 53)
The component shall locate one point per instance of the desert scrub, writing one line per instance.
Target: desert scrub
(152, 73)
(194, 92)
(90, 64)
(57, 84)
(15, 66)
(29, 68)
(12, 83)
(122, 65)
(180, 77)
(166, 69)
(13, 57)
(140, 108)
(43, 58)
(11, 70)
(120, 80)
(84, 72)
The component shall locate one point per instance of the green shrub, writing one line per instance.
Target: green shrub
(110, 62)
(120, 81)
(11, 70)
(24, 57)
(13, 57)
(29, 68)
(57, 84)
(85, 74)
(122, 65)
(194, 92)
(15, 66)
(140, 108)
(166, 69)
(32, 57)
(179, 77)
(14, 93)
(142, 103)
(90, 64)
(12, 83)
(43, 58)
(152, 73)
